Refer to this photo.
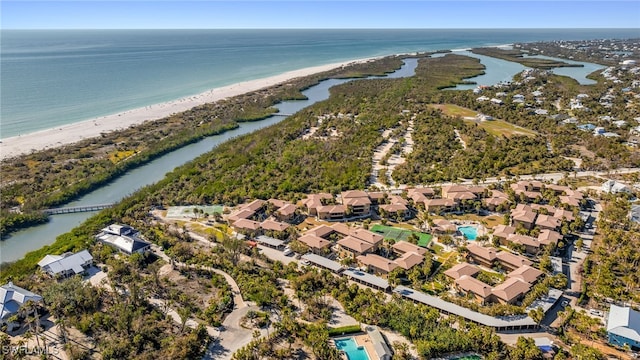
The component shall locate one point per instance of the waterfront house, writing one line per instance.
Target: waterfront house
(124, 238)
(66, 265)
(12, 298)
(623, 327)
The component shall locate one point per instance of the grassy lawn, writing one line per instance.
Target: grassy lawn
(454, 110)
(400, 234)
(493, 127)
(501, 127)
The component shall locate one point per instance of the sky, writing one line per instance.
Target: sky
(335, 14)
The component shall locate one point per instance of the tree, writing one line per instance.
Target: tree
(233, 248)
(525, 349)
(537, 314)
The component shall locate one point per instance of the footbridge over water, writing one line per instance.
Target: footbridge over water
(76, 209)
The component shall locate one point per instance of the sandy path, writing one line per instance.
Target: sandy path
(71, 133)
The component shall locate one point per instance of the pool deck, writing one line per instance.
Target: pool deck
(365, 340)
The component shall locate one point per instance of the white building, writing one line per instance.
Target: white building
(66, 265)
(124, 238)
(614, 187)
(12, 297)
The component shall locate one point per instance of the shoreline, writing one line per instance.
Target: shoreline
(86, 129)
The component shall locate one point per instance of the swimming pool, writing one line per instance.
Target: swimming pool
(469, 232)
(351, 348)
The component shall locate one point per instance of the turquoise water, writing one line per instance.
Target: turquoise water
(52, 78)
(578, 73)
(469, 232)
(351, 348)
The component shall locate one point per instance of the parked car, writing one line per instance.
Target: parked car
(287, 251)
(565, 303)
(305, 262)
(595, 312)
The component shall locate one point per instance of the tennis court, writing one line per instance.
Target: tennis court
(182, 212)
(399, 234)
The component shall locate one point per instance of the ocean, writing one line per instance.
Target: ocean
(58, 77)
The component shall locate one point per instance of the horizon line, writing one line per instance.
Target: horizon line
(339, 28)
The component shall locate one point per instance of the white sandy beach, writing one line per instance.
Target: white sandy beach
(72, 133)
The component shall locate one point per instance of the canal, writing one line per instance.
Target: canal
(21, 242)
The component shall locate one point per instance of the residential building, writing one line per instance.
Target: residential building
(124, 238)
(623, 327)
(527, 274)
(271, 225)
(482, 255)
(331, 212)
(66, 265)
(286, 213)
(12, 297)
(549, 237)
(615, 187)
(510, 291)
(511, 261)
(402, 247)
(472, 286)
(502, 232)
(524, 216)
(409, 260)
(547, 222)
(246, 225)
(377, 264)
(439, 205)
(461, 270)
(352, 246)
(531, 244)
(316, 244)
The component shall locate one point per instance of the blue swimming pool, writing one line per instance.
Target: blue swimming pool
(469, 232)
(351, 348)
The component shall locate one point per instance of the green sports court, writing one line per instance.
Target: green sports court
(399, 234)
